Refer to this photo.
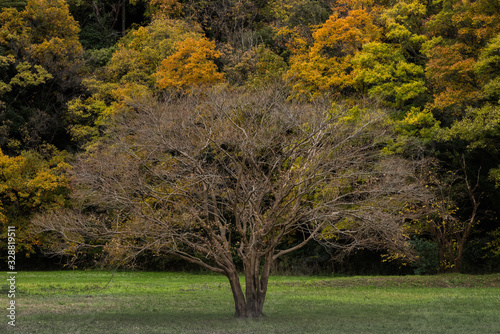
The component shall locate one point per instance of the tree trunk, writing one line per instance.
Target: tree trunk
(460, 252)
(255, 297)
(238, 296)
(124, 13)
(251, 304)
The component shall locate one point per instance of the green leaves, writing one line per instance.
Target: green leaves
(488, 69)
(479, 128)
(382, 71)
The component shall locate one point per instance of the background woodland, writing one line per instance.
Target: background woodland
(74, 75)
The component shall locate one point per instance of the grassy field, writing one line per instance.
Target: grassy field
(79, 302)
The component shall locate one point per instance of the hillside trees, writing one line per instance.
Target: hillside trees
(103, 22)
(40, 56)
(221, 178)
(381, 71)
(137, 68)
(30, 183)
(434, 65)
(225, 20)
(457, 33)
(17, 4)
(190, 66)
(326, 65)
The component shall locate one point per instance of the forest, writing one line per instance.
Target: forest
(293, 136)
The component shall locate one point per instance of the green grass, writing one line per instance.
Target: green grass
(77, 302)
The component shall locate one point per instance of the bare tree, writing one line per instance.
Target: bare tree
(228, 175)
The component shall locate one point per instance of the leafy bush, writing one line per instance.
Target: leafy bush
(428, 259)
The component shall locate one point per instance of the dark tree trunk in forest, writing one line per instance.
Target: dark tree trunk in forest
(124, 16)
(452, 234)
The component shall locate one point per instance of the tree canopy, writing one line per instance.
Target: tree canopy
(227, 177)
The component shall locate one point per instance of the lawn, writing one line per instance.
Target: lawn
(143, 302)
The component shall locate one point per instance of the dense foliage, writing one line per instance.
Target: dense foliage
(71, 69)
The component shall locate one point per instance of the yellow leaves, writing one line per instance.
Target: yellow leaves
(382, 70)
(403, 21)
(54, 32)
(45, 182)
(130, 92)
(9, 167)
(494, 175)
(333, 231)
(3, 218)
(292, 39)
(493, 245)
(83, 113)
(13, 29)
(6, 60)
(29, 181)
(191, 65)
(329, 233)
(27, 77)
(396, 256)
(66, 51)
(281, 9)
(50, 18)
(416, 119)
(43, 36)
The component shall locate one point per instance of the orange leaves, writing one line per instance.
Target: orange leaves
(476, 21)
(459, 32)
(191, 65)
(451, 75)
(327, 64)
(447, 63)
(167, 53)
(341, 36)
(444, 41)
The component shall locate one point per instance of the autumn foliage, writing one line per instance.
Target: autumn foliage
(191, 65)
(326, 65)
(30, 184)
(71, 71)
